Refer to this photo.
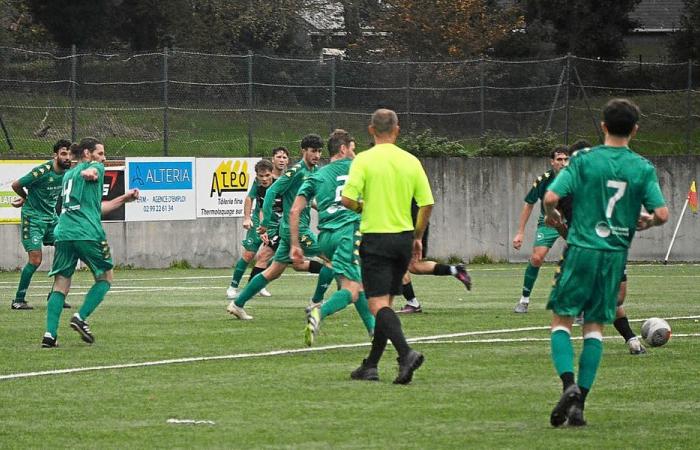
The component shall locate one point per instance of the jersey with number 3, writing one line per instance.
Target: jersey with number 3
(609, 186)
(326, 186)
(81, 215)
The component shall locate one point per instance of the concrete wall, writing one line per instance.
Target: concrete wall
(478, 202)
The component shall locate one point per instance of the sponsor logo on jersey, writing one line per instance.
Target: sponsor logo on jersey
(602, 229)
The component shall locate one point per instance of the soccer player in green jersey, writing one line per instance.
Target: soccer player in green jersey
(609, 184)
(253, 246)
(545, 237)
(286, 187)
(80, 236)
(381, 184)
(38, 193)
(339, 234)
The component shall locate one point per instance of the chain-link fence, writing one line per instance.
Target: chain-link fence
(186, 103)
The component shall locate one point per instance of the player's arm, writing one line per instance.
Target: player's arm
(656, 218)
(110, 205)
(277, 188)
(89, 174)
(21, 193)
(354, 186)
(653, 201)
(295, 251)
(351, 204)
(524, 217)
(552, 216)
(422, 219)
(247, 208)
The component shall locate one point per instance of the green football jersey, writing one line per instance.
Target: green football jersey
(43, 189)
(609, 186)
(81, 217)
(539, 188)
(257, 194)
(326, 185)
(287, 187)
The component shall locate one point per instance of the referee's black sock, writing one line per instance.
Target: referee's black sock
(255, 271)
(442, 269)
(408, 291)
(378, 346)
(622, 325)
(390, 325)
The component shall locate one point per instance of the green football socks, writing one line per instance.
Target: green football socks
(253, 287)
(530, 277)
(325, 278)
(24, 279)
(238, 272)
(53, 312)
(338, 301)
(562, 351)
(589, 361)
(362, 307)
(93, 298)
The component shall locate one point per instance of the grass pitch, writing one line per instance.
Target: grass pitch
(487, 381)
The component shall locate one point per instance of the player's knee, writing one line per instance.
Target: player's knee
(35, 258)
(537, 259)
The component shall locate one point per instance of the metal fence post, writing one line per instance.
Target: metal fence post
(333, 68)
(482, 96)
(566, 99)
(408, 96)
(166, 129)
(250, 103)
(689, 107)
(73, 94)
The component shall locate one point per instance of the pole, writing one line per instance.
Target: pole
(250, 103)
(566, 99)
(588, 106)
(166, 130)
(482, 96)
(73, 94)
(333, 94)
(689, 107)
(408, 95)
(6, 133)
(678, 225)
(556, 98)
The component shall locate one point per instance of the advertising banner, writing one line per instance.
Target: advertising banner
(11, 170)
(167, 188)
(113, 187)
(222, 185)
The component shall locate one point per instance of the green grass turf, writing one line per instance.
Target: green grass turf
(482, 394)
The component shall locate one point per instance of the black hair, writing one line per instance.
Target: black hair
(620, 115)
(263, 165)
(337, 139)
(311, 141)
(279, 149)
(559, 149)
(61, 143)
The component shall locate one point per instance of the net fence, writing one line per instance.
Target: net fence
(176, 102)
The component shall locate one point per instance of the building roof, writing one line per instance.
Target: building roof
(658, 15)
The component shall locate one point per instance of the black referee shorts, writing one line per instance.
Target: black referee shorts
(385, 259)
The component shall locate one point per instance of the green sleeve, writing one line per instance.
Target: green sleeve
(653, 198)
(533, 195)
(34, 175)
(253, 192)
(278, 187)
(563, 184)
(356, 180)
(308, 188)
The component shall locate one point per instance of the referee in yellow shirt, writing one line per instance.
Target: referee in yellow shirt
(381, 183)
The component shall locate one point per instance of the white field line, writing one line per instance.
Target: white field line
(429, 339)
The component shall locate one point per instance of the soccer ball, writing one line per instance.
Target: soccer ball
(656, 332)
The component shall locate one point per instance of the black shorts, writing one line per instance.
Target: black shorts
(385, 258)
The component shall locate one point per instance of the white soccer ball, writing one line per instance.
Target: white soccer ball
(656, 332)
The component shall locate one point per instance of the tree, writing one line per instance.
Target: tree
(444, 28)
(593, 29)
(685, 43)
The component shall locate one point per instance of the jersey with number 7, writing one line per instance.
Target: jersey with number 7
(609, 186)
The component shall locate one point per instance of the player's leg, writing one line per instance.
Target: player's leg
(622, 324)
(251, 244)
(309, 244)
(262, 261)
(412, 305)
(33, 232)
(98, 257)
(62, 269)
(544, 240)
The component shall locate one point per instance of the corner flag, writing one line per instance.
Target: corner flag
(693, 198)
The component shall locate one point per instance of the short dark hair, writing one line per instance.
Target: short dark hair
(281, 149)
(559, 149)
(620, 115)
(311, 141)
(579, 145)
(264, 165)
(60, 144)
(384, 121)
(338, 138)
(88, 143)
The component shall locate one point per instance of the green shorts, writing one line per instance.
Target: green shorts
(95, 254)
(252, 241)
(308, 243)
(588, 281)
(545, 236)
(36, 232)
(342, 248)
